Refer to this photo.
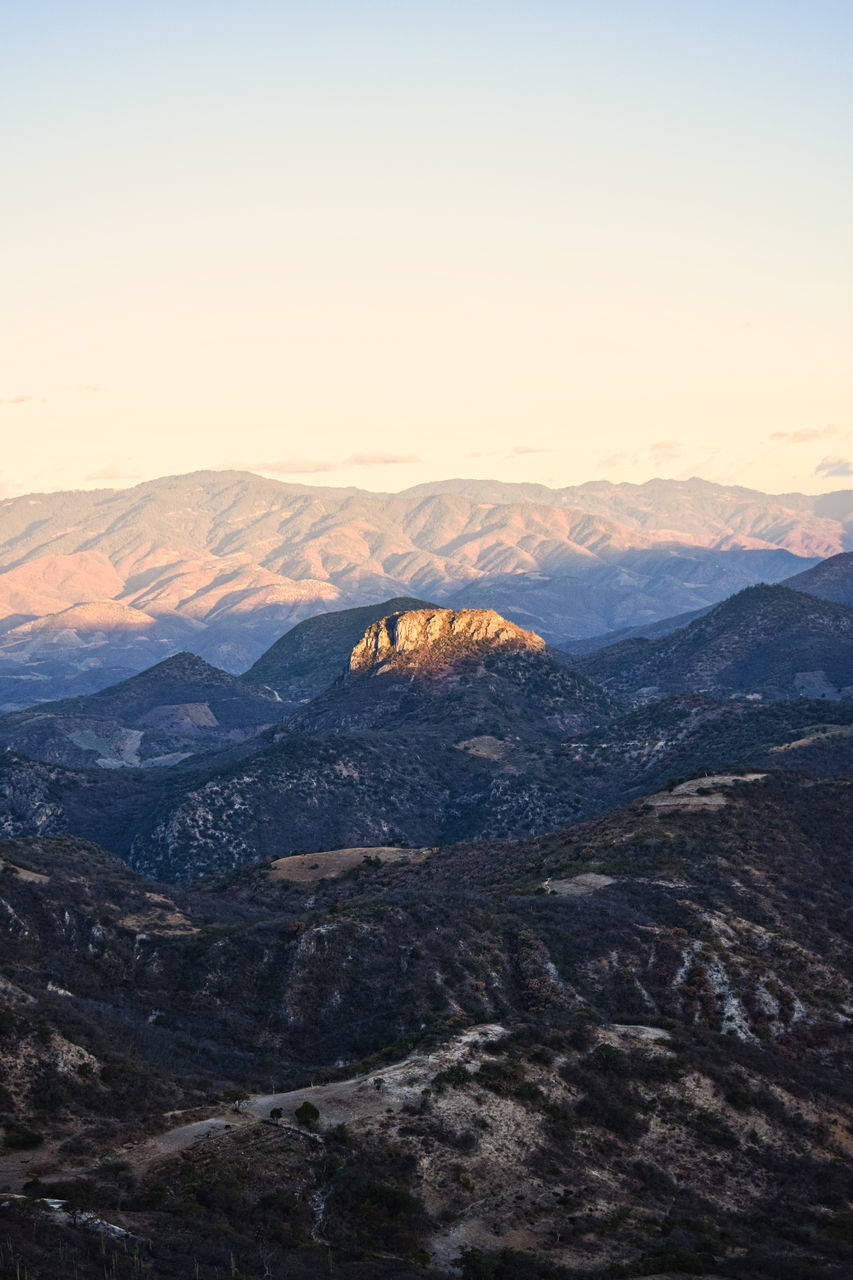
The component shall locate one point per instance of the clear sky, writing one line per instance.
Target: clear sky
(376, 243)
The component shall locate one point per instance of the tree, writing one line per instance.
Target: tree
(238, 1099)
(306, 1113)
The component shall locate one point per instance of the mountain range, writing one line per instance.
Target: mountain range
(425, 947)
(95, 585)
(439, 725)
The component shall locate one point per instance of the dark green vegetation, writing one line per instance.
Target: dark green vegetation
(831, 579)
(496, 744)
(713, 1142)
(309, 657)
(178, 707)
(766, 641)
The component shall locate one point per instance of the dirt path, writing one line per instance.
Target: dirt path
(360, 1098)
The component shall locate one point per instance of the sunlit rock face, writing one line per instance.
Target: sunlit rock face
(429, 639)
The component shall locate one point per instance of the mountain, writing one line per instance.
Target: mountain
(415, 642)
(178, 707)
(832, 579)
(304, 661)
(491, 741)
(769, 642)
(651, 631)
(222, 562)
(620, 1049)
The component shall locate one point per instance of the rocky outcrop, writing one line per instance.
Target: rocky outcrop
(431, 639)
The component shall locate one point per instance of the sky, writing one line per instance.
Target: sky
(379, 243)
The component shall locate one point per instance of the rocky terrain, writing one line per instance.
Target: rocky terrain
(98, 585)
(409, 996)
(648, 1014)
(482, 734)
(309, 657)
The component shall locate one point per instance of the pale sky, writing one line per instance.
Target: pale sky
(380, 243)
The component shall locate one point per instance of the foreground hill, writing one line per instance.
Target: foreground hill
(178, 707)
(222, 562)
(621, 1049)
(770, 642)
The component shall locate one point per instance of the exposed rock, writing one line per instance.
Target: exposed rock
(429, 639)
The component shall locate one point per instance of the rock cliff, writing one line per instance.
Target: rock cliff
(431, 639)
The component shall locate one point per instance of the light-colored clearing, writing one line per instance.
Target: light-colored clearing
(486, 747)
(308, 868)
(23, 873)
(579, 886)
(700, 793)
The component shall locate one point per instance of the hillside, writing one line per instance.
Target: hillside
(176, 708)
(545, 1053)
(500, 743)
(305, 661)
(832, 579)
(768, 642)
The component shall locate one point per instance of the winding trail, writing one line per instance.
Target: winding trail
(362, 1097)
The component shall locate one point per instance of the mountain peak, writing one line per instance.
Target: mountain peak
(429, 639)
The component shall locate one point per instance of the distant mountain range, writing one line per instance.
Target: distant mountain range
(95, 585)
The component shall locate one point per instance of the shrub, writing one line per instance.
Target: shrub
(22, 1139)
(306, 1113)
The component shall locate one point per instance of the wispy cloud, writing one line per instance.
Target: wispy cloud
(515, 452)
(663, 449)
(113, 471)
(16, 399)
(654, 454)
(312, 466)
(285, 466)
(805, 435)
(378, 459)
(834, 467)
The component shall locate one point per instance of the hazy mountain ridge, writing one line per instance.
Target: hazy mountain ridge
(233, 559)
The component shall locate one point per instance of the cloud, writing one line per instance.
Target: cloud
(378, 459)
(612, 460)
(311, 466)
(664, 449)
(654, 454)
(285, 466)
(16, 399)
(805, 435)
(112, 471)
(834, 467)
(521, 448)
